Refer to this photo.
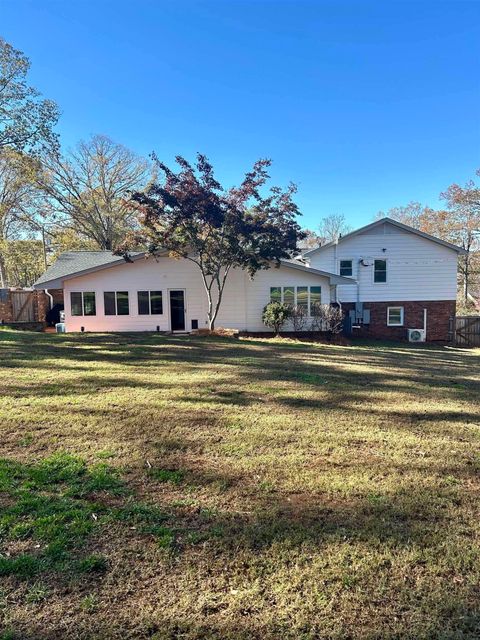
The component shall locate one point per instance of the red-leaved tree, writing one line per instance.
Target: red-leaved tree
(188, 213)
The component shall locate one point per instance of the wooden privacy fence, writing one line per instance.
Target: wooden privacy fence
(23, 306)
(466, 331)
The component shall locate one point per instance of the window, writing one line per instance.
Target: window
(116, 303)
(315, 297)
(82, 303)
(150, 303)
(395, 316)
(289, 296)
(380, 271)
(302, 296)
(275, 294)
(346, 268)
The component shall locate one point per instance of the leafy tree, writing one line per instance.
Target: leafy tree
(191, 215)
(275, 315)
(332, 227)
(461, 225)
(458, 223)
(88, 189)
(26, 120)
(18, 201)
(23, 261)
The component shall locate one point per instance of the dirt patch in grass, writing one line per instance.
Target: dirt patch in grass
(162, 487)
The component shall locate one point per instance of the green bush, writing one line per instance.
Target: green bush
(275, 315)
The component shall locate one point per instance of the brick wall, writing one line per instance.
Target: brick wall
(439, 313)
(41, 304)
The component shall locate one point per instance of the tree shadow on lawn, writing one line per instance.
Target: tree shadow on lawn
(272, 526)
(315, 368)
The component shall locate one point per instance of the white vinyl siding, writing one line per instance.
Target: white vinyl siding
(242, 304)
(417, 268)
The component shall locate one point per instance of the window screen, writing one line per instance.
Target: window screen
(122, 303)
(143, 303)
(315, 297)
(109, 301)
(302, 298)
(76, 303)
(275, 294)
(289, 295)
(380, 271)
(89, 303)
(346, 268)
(156, 303)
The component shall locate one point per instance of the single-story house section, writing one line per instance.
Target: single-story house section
(103, 292)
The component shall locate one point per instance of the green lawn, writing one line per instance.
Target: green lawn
(180, 488)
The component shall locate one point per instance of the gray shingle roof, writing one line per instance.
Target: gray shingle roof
(78, 262)
(72, 262)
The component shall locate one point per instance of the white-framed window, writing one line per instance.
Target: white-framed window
(116, 303)
(82, 303)
(395, 316)
(380, 271)
(346, 268)
(150, 303)
(301, 296)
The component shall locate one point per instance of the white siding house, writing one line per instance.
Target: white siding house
(149, 293)
(387, 278)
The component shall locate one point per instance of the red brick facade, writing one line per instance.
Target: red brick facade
(439, 313)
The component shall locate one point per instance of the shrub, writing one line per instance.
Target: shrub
(327, 318)
(275, 314)
(298, 316)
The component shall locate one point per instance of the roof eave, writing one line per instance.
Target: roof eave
(333, 277)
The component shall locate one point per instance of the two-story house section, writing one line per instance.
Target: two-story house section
(405, 279)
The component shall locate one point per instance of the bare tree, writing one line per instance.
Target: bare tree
(89, 188)
(332, 227)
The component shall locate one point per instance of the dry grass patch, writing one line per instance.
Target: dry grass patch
(160, 487)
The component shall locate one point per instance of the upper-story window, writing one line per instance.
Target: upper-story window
(116, 303)
(82, 303)
(346, 268)
(380, 271)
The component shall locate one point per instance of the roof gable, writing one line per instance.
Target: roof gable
(395, 223)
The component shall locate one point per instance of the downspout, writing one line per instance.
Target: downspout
(425, 322)
(50, 297)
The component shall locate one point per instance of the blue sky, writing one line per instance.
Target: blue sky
(365, 105)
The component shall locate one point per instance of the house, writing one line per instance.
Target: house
(103, 292)
(404, 279)
(387, 277)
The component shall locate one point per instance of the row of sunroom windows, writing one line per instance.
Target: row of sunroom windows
(303, 296)
(116, 303)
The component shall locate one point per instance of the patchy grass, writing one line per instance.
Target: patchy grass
(159, 487)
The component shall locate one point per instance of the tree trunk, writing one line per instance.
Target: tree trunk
(466, 277)
(3, 273)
